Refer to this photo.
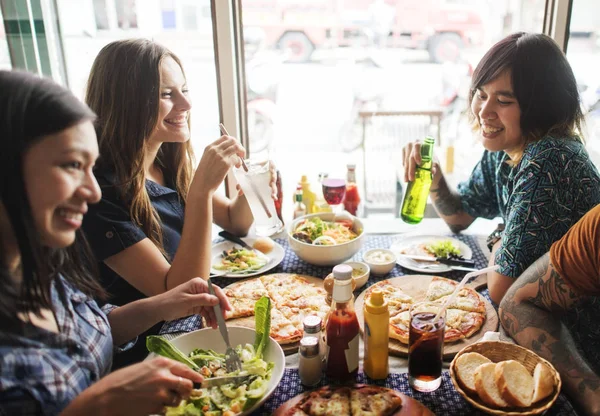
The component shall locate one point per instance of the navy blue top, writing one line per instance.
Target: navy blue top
(550, 189)
(110, 230)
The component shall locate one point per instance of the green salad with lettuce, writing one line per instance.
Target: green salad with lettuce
(240, 260)
(227, 399)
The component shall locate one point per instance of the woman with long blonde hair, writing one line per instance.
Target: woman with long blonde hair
(152, 229)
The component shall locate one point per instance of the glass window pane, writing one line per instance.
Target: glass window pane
(583, 52)
(4, 54)
(162, 21)
(319, 73)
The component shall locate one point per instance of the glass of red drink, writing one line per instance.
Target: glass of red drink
(333, 192)
(425, 346)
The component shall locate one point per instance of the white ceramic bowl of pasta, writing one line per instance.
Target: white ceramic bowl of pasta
(209, 338)
(325, 255)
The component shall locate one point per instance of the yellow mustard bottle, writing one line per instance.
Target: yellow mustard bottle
(308, 196)
(377, 320)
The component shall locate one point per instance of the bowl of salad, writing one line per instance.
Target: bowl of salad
(263, 364)
(318, 239)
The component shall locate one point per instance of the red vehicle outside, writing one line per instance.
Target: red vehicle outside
(302, 26)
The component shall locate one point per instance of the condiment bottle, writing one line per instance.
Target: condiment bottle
(342, 328)
(312, 329)
(415, 198)
(308, 196)
(299, 207)
(352, 198)
(279, 201)
(376, 336)
(310, 366)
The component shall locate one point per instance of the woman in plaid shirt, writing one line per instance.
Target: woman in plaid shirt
(56, 344)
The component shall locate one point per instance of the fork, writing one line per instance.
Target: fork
(232, 359)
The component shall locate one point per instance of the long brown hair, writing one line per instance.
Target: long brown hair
(32, 108)
(123, 90)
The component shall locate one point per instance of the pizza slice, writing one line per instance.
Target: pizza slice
(241, 307)
(374, 401)
(282, 329)
(397, 300)
(327, 401)
(440, 287)
(467, 300)
(466, 322)
(399, 327)
(284, 288)
(252, 289)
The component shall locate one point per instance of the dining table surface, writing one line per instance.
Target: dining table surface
(379, 233)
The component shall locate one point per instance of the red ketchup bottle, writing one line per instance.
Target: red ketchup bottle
(342, 328)
(352, 198)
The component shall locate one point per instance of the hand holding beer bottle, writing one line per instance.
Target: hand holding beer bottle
(418, 171)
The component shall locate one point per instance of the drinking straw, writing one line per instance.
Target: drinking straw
(252, 185)
(224, 131)
(460, 286)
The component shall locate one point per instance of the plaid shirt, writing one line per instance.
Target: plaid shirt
(42, 372)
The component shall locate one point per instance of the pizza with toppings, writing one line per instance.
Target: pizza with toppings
(357, 400)
(464, 317)
(293, 298)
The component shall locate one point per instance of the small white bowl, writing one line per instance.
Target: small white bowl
(381, 261)
(360, 272)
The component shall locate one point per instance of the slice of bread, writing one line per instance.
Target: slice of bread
(465, 369)
(543, 382)
(485, 385)
(515, 383)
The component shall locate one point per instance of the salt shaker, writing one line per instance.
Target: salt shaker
(310, 366)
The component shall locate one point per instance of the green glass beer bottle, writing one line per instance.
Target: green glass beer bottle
(417, 191)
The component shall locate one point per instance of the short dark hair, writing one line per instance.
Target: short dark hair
(542, 81)
(30, 109)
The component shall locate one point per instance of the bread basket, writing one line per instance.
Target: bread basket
(498, 351)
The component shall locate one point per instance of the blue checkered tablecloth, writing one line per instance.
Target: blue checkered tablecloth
(293, 264)
(444, 401)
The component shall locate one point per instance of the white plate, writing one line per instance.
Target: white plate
(412, 245)
(275, 257)
(209, 338)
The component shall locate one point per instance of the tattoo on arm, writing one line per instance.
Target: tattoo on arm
(446, 201)
(528, 313)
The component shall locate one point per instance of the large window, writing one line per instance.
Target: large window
(583, 53)
(182, 26)
(313, 67)
(333, 82)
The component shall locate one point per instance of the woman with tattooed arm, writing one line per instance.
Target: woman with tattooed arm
(553, 309)
(535, 172)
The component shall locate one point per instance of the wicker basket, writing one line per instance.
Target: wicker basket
(501, 351)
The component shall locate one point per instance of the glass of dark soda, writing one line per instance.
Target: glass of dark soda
(425, 346)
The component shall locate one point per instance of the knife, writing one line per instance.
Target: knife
(235, 239)
(442, 260)
(219, 381)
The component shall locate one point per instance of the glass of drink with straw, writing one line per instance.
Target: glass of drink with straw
(426, 339)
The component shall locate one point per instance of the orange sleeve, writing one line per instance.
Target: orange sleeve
(576, 256)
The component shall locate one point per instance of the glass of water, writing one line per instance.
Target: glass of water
(256, 186)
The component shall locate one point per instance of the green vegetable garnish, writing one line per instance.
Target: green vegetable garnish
(443, 249)
(161, 346)
(262, 322)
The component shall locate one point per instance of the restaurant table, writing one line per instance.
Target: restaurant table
(445, 400)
